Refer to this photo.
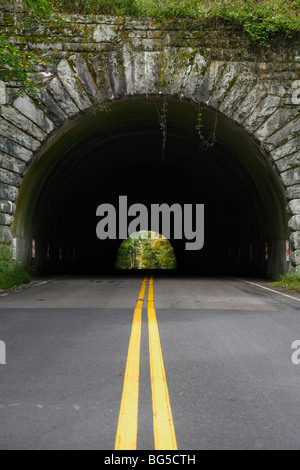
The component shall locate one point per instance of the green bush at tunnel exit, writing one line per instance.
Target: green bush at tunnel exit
(146, 253)
(12, 274)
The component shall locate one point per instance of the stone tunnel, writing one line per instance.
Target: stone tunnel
(162, 113)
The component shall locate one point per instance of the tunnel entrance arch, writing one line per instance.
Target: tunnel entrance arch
(138, 149)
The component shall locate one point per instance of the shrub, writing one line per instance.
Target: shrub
(290, 281)
(12, 274)
(263, 20)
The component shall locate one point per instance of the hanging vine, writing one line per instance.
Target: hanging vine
(163, 126)
(212, 139)
(163, 123)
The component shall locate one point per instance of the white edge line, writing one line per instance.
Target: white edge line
(272, 290)
(34, 285)
(41, 283)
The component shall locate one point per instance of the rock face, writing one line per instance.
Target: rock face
(94, 59)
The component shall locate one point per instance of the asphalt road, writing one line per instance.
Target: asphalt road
(226, 349)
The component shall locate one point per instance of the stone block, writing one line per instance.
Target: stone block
(7, 207)
(5, 235)
(10, 178)
(2, 93)
(104, 33)
(57, 115)
(295, 241)
(62, 98)
(27, 107)
(10, 163)
(6, 219)
(84, 75)
(7, 192)
(294, 206)
(266, 107)
(22, 123)
(295, 257)
(72, 85)
(288, 163)
(11, 132)
(286, 149)
(287, 132)
(291, 177)
(15, 150)
(274, 126)
(294, 222)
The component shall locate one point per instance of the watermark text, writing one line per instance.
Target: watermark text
(2, 353)
(296, 354)
(180, 222)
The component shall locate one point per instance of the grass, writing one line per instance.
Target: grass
(12, 274)
(290, 281)
(263, 20)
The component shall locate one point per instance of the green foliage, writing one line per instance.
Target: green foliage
(290, 281)
(38, 10)
(206, 141)
(262, 19)
(18, 66)
(143, 8)
(146, 253)
(126, 257)
(11, 273)
(163, 253)
(163, 125)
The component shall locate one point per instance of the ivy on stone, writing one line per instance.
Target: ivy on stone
(263, 20)
(210, 141)
(18, 66)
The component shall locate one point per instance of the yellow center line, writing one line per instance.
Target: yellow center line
(163, 426)
(126, 437)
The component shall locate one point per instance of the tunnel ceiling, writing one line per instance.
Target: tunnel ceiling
(119, 151)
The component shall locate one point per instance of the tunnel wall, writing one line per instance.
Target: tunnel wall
(94, 60)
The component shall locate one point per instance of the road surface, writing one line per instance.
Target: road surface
(218, 374)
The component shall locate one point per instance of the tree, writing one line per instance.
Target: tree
(146, 250)
(126, 254)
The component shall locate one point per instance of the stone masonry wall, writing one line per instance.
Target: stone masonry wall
(92, 59)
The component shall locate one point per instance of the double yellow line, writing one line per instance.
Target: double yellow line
(163, 426)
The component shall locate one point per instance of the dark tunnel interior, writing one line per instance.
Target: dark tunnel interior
(104, 155)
